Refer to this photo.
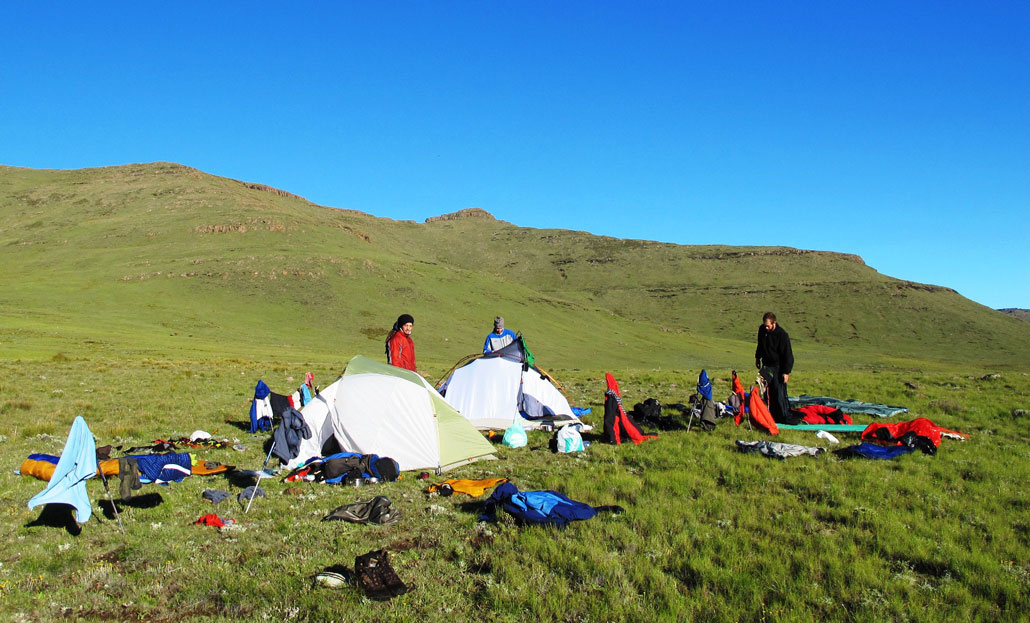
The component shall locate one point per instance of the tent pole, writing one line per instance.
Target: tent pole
(257, 482)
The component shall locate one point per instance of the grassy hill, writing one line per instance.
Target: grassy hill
(158, 259)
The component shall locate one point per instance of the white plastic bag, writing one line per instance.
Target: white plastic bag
(569, 439)
(515, 436)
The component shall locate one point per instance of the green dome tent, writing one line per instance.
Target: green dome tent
(376, 408)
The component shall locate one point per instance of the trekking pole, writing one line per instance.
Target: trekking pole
(257, 482)
(111, 500)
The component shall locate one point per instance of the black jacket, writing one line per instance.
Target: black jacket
(774, 349)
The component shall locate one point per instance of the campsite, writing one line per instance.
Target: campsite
(155, 346)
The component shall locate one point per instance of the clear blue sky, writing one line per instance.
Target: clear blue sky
(899, 131)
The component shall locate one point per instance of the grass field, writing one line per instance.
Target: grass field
(708, 534)
(151, 298)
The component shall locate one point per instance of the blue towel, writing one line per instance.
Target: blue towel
(78, 462)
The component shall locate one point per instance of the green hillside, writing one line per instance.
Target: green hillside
(161, 259)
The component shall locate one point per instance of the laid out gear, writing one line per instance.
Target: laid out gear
(868, 450)
(378, 510)
(539, 507)
(474, 488)
(616, 422)
(777, 450)
(847, 406)
(919, 433)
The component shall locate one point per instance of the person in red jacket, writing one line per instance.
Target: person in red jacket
(400, 349)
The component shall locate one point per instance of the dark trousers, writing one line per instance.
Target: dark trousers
(778, 405)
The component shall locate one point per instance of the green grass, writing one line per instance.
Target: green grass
(150, 299)
(709, 534)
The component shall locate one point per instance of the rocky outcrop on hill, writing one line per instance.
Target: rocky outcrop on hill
(462, 214)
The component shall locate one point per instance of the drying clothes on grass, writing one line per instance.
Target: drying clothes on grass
(378, 510)
(919, 433)
(539, 507)
(42, 466)
(216, 496)
(167, 445)
(837, 428)
(250, 492)
(475, 488)
(213, 520)
(77, 464)
(847, 406)
(873, 451)
(777, 450)
(821, 414)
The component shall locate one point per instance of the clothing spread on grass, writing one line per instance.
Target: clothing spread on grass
(821, 414)
(213, 520)
(539, 507)
(378, 510)
(919, 433)
(168, 445)
(616, 422)
(78, 463)
(777, 450)
(475, 488)
(847, 406)
(153, 468)
(873, 451)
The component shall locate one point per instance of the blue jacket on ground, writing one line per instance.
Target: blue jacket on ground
(536, 507)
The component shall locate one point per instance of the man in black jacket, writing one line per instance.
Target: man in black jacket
(775, 359)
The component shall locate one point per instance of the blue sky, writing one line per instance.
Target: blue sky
(898, 131)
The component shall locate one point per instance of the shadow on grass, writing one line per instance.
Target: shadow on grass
(57, 516)
(147, 500)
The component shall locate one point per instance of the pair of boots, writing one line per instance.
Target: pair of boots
(376, 577)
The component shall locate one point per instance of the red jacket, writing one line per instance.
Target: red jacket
(400, 351)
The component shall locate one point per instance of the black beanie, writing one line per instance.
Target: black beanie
(404, 319)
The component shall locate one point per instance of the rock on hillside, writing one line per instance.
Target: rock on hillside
(462, 214)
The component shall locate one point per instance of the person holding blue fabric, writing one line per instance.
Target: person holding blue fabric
(499, 337)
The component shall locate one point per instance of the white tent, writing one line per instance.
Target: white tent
(375, 408)
(493, 390)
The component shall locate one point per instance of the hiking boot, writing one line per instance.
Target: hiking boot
(389, 577)
(366, 570)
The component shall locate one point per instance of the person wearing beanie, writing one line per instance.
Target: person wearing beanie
(400, 349)
(774, 359)
(499, 337)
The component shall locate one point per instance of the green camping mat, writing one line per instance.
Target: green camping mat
(841, 428)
